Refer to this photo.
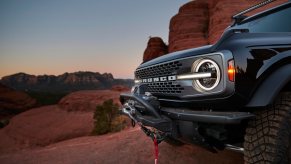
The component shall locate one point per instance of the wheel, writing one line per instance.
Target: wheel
(268, 136)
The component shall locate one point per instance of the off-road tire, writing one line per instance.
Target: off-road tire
(268, 136)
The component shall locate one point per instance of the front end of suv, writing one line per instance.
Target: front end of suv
(227, 95)
(174, 96)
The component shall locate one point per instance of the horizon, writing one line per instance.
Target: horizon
(64, 73)
(53, 37)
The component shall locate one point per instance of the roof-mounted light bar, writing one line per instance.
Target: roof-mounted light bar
(239, 16)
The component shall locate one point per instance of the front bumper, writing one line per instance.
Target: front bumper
(161, 118)
(204, 128)
(152, 118)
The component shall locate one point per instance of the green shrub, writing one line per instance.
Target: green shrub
(4, 123)
(107, 119)
(118, 123)
(47, 98)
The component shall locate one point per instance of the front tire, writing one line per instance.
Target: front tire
(268, 136)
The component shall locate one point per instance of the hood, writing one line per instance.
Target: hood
(178, 55)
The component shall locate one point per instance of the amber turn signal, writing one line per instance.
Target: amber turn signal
(231, 70)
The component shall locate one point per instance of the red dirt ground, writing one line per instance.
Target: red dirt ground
(129, 146)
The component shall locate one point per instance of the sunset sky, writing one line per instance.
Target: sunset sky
(57, 36)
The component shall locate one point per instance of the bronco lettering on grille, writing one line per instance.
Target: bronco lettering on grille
(159, 79)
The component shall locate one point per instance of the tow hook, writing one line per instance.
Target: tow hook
(130, 111)
(157, 139)
(153, 135)
(156, 136)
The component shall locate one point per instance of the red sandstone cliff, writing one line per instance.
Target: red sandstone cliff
(200, 23)
(188, 28)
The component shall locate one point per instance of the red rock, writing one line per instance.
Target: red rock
(189, 27)
(72, 117)
(155, 48)
(129, 146)
(43, 126)
(220, 16)
(13, 102)
(199, 22)
(87, 100)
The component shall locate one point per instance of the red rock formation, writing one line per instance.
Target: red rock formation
(155, 48)
(201, 22)
(72, 117)
(188, 28)
(221, 11)
(12, 102)
(43, 126)
(87, 100)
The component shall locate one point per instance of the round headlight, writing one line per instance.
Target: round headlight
(206, 66)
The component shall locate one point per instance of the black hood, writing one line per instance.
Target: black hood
(178, 55)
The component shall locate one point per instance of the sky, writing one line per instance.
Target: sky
(56, 36)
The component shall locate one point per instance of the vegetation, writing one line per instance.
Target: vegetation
(47, 98)
(4, 123)
(107, 119)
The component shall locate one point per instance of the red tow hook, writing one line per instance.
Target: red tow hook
(156, 150)
(156, 137)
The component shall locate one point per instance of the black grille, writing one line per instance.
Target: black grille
(165, 87)
(158, 70)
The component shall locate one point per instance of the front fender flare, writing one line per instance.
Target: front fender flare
(266, 93)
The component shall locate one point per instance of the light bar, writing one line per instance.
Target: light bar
(136, 81)
(194, 76)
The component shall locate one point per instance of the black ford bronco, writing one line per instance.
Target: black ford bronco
(235, 94)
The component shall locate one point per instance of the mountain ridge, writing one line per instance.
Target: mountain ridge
(66, 82)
